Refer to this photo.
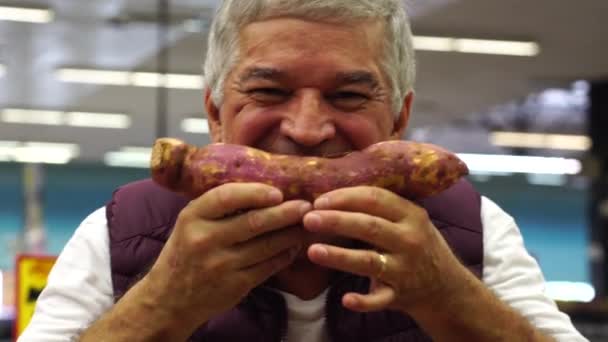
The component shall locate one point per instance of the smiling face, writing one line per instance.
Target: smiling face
(307, 88)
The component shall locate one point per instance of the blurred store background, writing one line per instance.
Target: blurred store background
(518, 88)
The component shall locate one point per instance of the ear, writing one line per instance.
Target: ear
(213, 118)
(400, 124)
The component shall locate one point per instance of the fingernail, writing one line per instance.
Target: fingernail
(322, 203)
(274, 195)
(319, 251)
(312, 221)
(350, 301)
(304, 208)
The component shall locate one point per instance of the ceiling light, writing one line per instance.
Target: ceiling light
(136, 149)
(570, 291)
(30, 15)
(127, 78)
(184, 81)
(433, 43)
(2, 70)
(539, 140)
(98, 120)
(94, 76)
(137, 157)
(6, 150)
(478, 46)
(489, 163)
(27, 116)
(147, 79)
(497, 47)
(8, 144)
(57, 118)
(38, 152)
(195, 125)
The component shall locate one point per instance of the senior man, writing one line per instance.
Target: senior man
(359, 264)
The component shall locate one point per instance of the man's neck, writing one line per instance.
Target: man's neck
(303, 279)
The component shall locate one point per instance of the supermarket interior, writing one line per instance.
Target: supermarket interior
(518, 90)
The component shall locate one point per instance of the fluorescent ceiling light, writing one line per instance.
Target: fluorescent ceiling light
(479, 46)
(38, 152)
(137, 157)
(147, 79)
(497, 47)
(570, 291)
(8, 143)
(136, 149)
(184, 81)
(6, 150)
(127, 78)
(538, 140)
(425, 43)
(195, 125)
(94, 76)
(101, 120)
(489, 163)
(30, 15)
(26, 116)
(57, 118)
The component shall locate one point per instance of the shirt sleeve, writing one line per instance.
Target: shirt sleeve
(79, 288)
(516, 278)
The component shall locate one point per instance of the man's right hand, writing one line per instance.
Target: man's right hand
(225, 243)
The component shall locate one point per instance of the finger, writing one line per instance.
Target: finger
(266, 246)
(374, 230)
(379, 299)
(361, 262)
(262, 271)
(366, 199)
(253, 223)
(231, 197)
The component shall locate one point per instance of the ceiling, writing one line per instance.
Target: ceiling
(121, 34)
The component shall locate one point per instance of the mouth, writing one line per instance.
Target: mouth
(335, 155)
(317, 154)
(279, 144)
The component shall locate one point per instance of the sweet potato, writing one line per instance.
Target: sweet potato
(412, 170)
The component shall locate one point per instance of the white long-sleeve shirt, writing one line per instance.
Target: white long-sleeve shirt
(79, 288)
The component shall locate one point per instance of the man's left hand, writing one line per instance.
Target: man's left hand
(410, 263)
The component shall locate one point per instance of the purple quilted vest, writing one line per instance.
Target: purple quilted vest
(141, 216)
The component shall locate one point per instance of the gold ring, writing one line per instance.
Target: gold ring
(383, 263)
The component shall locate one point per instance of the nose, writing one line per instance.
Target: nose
(307, 121)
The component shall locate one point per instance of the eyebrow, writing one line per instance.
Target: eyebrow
(361, 77)
(358, 77)
(261, 73)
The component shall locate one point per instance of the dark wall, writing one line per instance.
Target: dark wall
(598, 129)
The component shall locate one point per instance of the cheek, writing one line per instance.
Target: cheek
(249, 126)
(361, 131)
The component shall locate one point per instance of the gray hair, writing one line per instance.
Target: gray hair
(398, 63)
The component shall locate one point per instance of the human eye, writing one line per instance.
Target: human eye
(348, 95)
(268, 94)
(348, 99)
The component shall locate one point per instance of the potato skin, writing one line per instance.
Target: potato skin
(410, 169)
